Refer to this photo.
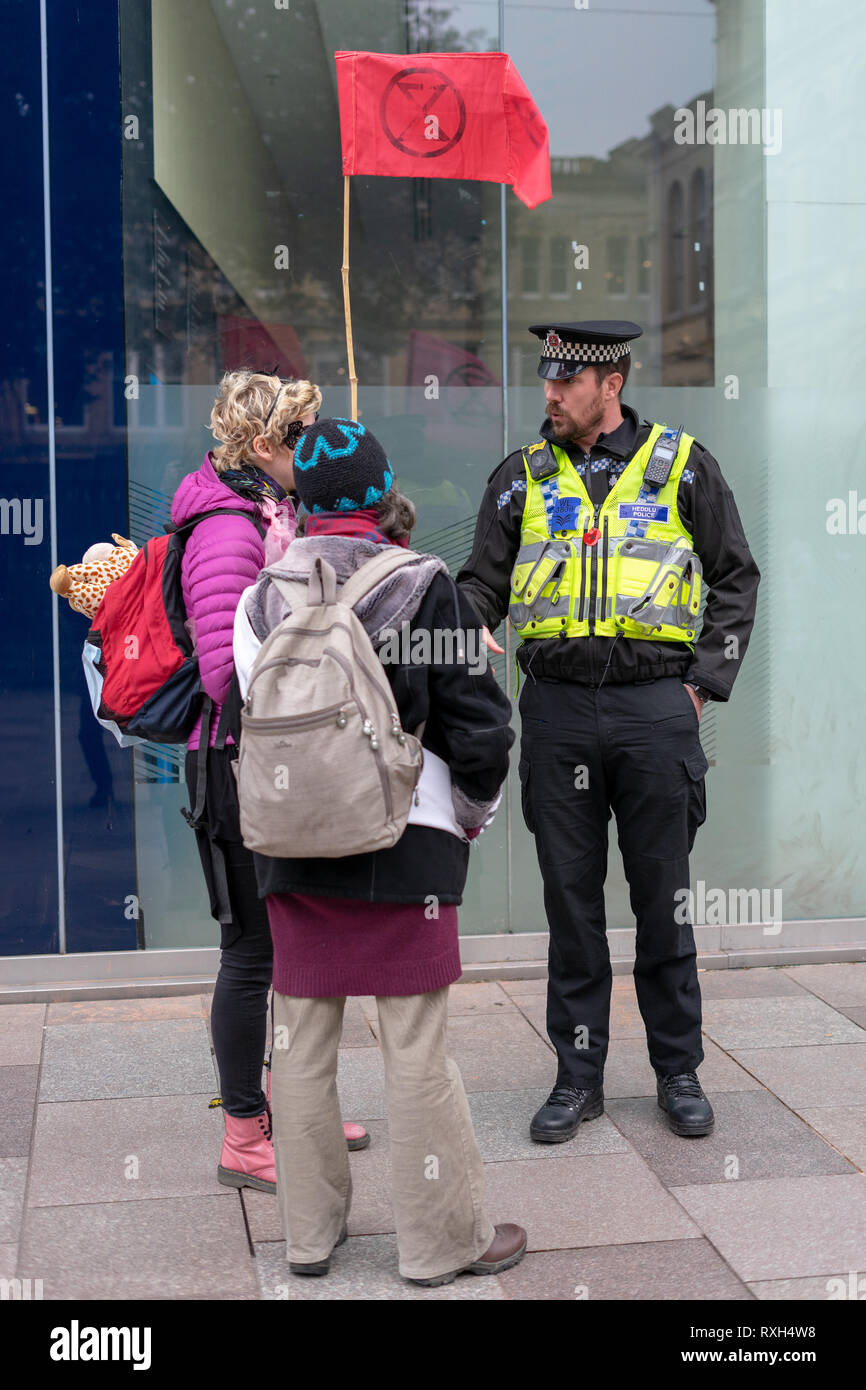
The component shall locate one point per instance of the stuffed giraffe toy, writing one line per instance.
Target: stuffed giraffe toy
(85, 584)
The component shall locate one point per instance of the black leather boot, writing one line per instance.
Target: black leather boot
(688, 1110)
(563, 1112)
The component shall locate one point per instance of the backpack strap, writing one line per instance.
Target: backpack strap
(195, 816)
(372, 572)
(322, 583)
(230, 714)
(294, 591)
(191, 522)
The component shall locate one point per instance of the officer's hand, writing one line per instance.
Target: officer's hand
(698, 704)
(490, 642)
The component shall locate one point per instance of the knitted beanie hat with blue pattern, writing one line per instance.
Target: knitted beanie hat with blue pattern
(340, 467)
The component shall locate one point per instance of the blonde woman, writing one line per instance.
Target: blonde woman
(247, 483)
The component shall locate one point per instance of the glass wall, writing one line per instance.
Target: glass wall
(201, 230)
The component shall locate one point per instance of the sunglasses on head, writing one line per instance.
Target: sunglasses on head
(284, 381)
(294, 432)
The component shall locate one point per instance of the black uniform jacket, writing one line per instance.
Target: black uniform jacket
(709, 513)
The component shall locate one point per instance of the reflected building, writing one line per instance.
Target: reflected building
(628, 237)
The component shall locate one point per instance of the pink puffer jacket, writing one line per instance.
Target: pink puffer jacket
(223, 556)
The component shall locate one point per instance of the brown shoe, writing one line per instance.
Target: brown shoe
(507, 1249)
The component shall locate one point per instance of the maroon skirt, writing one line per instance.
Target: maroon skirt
(329, 947)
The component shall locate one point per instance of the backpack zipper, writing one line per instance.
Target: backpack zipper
(299, 721)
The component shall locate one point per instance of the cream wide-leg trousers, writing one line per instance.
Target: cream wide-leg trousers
(437, 1174)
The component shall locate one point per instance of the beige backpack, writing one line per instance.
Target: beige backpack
(325, 769)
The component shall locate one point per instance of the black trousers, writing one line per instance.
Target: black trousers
(634, 751)
(239, 1012)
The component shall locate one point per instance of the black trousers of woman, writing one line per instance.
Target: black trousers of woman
(239, 1012)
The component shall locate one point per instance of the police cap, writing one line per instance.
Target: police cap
(566, 348)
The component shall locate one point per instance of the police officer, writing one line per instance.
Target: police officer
(598, 541)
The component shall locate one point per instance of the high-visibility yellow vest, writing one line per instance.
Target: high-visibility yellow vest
(626, 566)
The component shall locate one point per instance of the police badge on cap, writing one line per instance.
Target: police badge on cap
(566, 348)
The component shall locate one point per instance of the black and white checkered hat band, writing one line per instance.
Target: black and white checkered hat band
(585, 352)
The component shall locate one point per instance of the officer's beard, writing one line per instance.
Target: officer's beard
(570, 429)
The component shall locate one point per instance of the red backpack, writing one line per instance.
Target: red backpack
(139, 658)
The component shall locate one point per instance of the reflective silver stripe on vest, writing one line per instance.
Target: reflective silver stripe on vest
(659, 552)
(683, 567)
(651, 615)
(533, 551)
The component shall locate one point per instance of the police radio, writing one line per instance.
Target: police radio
(661, 460)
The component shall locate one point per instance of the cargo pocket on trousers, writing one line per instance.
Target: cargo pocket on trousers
(696, 766)
(526, 795)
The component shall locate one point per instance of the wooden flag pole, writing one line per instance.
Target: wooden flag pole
(347, 306)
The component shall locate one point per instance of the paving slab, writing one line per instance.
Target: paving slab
(843, 1126)
(525, 987)
(625, 1017)
(838, 984)
(103, 1061)
(810, 1077)
(500, 1053)
(610, 1199)
(262, 1215)
(501, 1123)
(361, 1084)
(180, 1248)
(18, 1109)
(93, 1151)
(755, 1136)
(783, 1228)
(8, 1260)
(856, 1013)
(666, 1270)
(747, 984)
(822, 1289)
(125, 1010)
(471, 997)
(534, 1010)
(628, 1071)
(483, 997)
(21, 1034)
(357, 1031)
(13, 1182)
(365, 1267)
(777, 1022)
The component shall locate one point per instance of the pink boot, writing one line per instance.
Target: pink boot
(356, 1136)
(247, 1158)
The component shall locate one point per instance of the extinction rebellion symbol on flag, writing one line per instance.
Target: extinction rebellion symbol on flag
(418, 101)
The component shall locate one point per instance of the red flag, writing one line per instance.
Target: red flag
(445, 116)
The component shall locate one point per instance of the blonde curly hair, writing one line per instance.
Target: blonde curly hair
(241, 408)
